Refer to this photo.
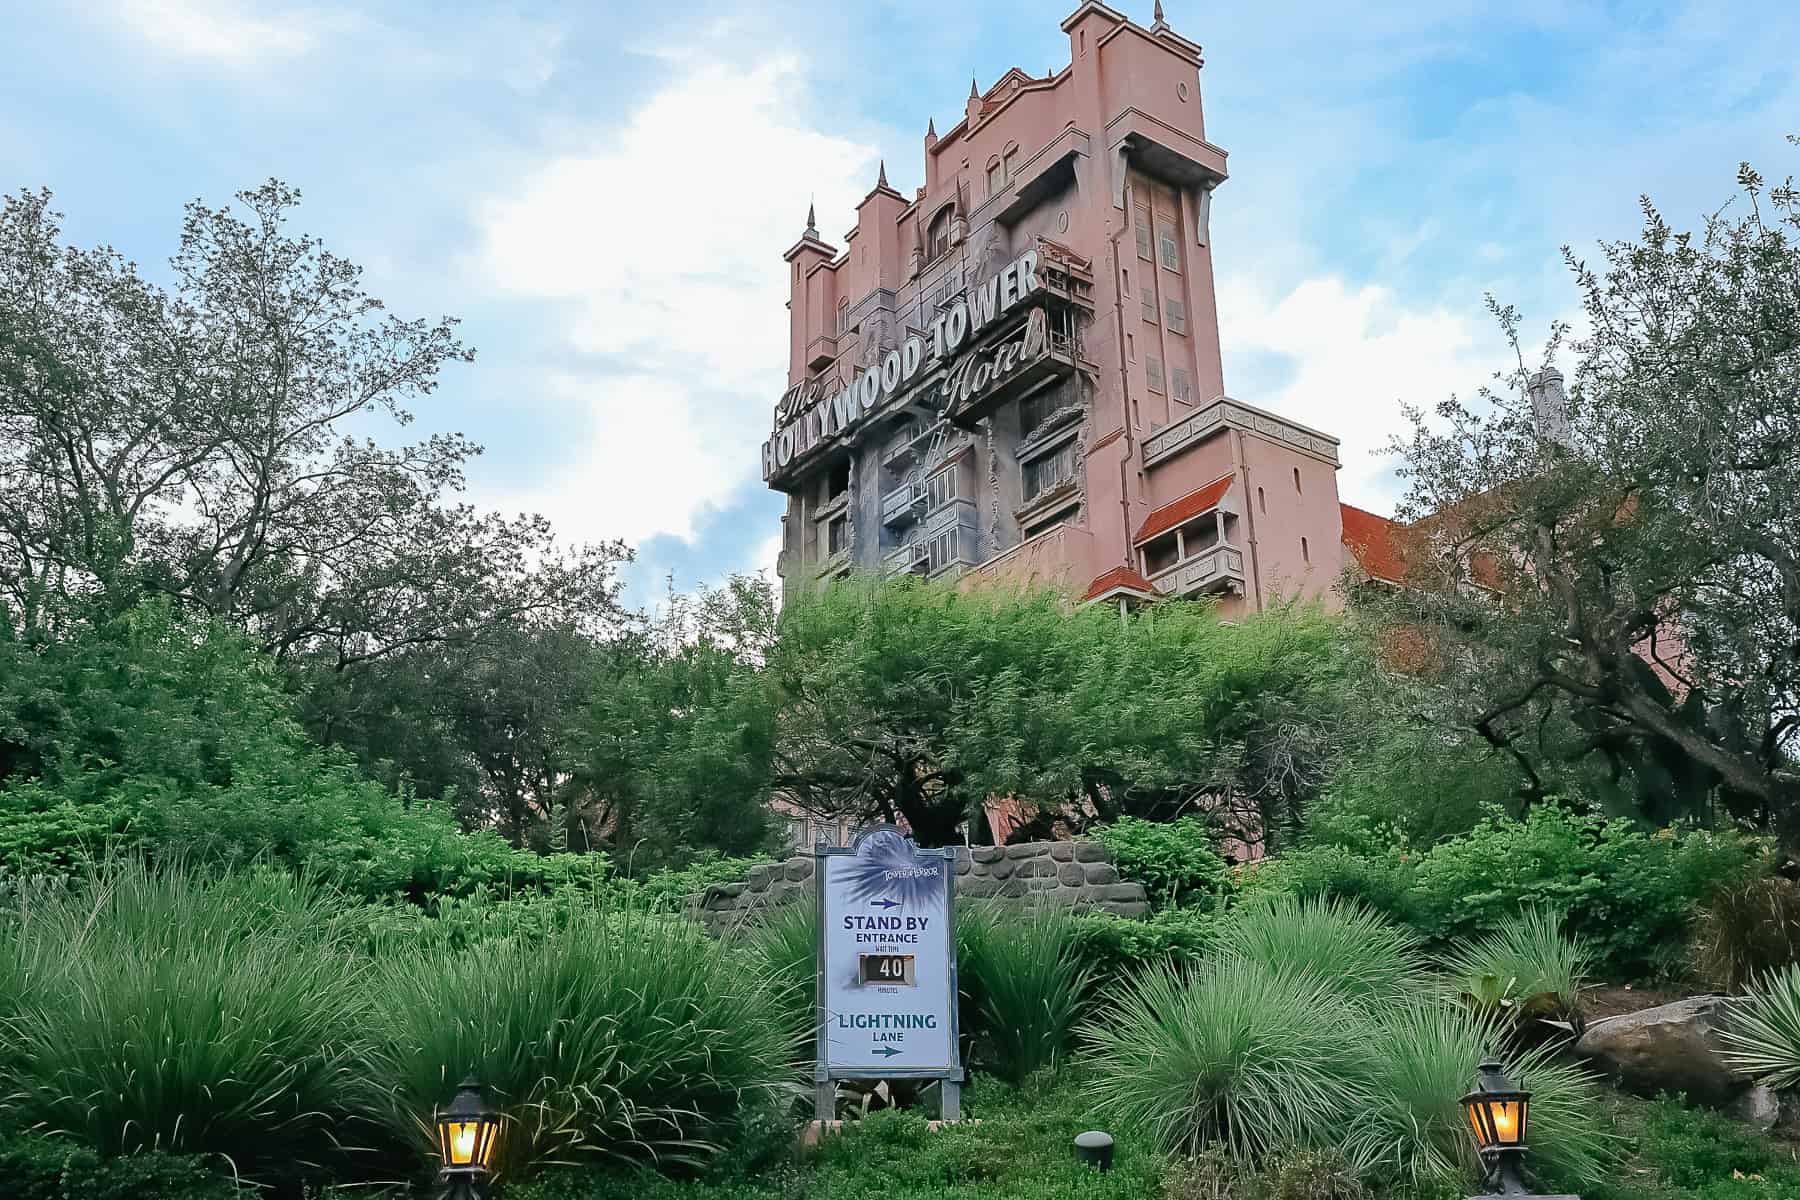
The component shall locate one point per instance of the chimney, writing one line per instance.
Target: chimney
(1550, 407)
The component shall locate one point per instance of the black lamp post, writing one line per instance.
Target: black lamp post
(467, 1131)
(1497, 1113)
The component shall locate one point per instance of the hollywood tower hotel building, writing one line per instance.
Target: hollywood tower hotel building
(1014, 372)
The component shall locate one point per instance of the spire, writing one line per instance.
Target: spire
(882, 181)
(974, 92)
(812, 224)
(931, 127)
(1157, 24)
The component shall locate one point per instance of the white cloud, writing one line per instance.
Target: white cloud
(221, 30)
(1348, 357)
(662, 242)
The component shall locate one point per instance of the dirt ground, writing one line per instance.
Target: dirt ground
(1610, 1000)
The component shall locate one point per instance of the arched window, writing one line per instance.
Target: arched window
(937, 239)
(995, 178)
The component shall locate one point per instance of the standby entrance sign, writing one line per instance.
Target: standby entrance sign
(887, 964)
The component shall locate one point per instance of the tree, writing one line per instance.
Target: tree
(916, 701)
(1625, 589)
(195, 442)
(678, 737)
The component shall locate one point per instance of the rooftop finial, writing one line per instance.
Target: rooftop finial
(931, 127)
(974, 92)
(812, 224)
(1157, 23)
(882, 181)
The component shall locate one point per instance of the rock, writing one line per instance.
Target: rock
(1127, 908)
(1670, 1048)
(1126, 893)
(1089, 852)
(758, 878)
(1071, 875)
(1012, 889)
(963, 866)
(1041, 883)
(1759, 1107)
(1789, 1122)
(1062, 851)
(1025, 850)
(799, 868)
(1101, 873)
(977, 887)
(987, 854)
(1001, 869)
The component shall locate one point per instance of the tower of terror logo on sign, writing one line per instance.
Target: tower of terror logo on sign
(806, 416)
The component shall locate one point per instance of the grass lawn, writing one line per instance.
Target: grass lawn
(1017, 1145)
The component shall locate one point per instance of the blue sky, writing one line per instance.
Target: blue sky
(602, 191)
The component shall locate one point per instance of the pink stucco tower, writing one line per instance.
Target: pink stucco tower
(1014, 371)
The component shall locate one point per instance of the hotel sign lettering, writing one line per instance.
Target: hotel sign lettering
(805, 417)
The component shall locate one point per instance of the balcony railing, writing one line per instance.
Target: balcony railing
(1211, 570)
(904, 504)
(909, 556)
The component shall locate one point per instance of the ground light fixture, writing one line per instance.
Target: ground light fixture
(467, 1130)
(1094, 1149)
(1498, 1112)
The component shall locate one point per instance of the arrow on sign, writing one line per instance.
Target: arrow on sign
(886, 1051)
(884, 904)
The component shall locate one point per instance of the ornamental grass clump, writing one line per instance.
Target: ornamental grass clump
(1763, 1036)
(1422, 1057)
(1229, 1053)
(1022, 968)
(168, 1012)
(625, 1038)
(1356, 953)
(1527, 969)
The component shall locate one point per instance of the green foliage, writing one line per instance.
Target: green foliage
(1174, 860)
(175, 738)
(1763, 1034)
(1628, 894)
(160, 1012)
(1116, 947)
(1024, 970)
(1228, 1052)
(1357, 953)
(1409, 783)
(1526, 969)
(1695, 1154)
(1746, 931)
(1423, 1054)
(36, 1167)
(625, 1037)
(960, 695)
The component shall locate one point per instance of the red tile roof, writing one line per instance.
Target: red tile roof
(1371, 539)
(1118, 577)
(1180, 512)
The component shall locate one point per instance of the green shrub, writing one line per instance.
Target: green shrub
(187, 1016)
(1705, 1154)
(1630, 894)
(35, 1167)
(1763, 1035)
(1422, 1059)
(1176, 861)
(1357, 953)
(1231, 1052)
(1116, 947)
(623, 1038)
(1524, 970)
(1382, 882)
(1024, 971)
(1746, 931)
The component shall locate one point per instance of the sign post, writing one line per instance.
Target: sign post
(886, 987)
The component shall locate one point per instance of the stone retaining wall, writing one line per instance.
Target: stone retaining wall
(1076, 875)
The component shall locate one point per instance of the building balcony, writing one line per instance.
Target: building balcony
(899, 454)
(821, 351)
(1057, 359)
(1219, 568)
(912, 557)
(904, 505)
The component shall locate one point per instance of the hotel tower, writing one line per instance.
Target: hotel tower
(1013, 372)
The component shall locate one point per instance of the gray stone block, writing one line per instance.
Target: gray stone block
(1041, 883)
(1126, 892)
(1012, 889)
(1025, 850)
(987, 854)
(1089, 852)
(1062, 851)
(1101, 873)
(963, 867)
(977, 887)
(1001, 869)
(758, 878)
(1127, 908)
(799, 868)
(1071, 875)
